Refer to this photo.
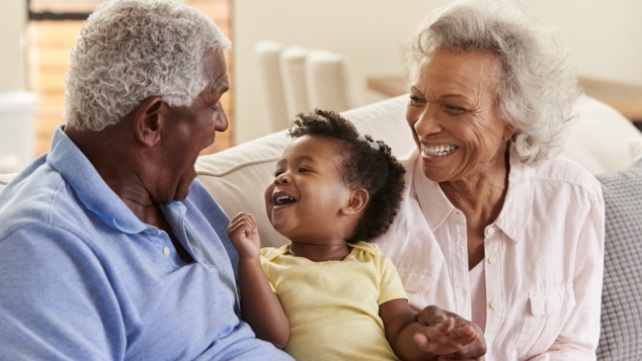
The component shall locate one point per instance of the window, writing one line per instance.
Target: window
(61, 9)
(52, 31)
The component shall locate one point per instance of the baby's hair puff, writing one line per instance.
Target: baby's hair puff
(367, 164)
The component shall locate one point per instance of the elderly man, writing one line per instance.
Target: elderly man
(109, 250)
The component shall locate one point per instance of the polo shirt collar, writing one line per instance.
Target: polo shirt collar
(88, 185)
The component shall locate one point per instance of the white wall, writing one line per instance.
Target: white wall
(13, 14)
(604, 36)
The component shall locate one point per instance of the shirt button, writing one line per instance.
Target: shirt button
(492, 260)
(493, 305)
(490, 231)
(166, 251)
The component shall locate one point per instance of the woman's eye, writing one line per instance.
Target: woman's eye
(416, 101)
(453, 109)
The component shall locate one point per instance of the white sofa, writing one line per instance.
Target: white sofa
(601, 139)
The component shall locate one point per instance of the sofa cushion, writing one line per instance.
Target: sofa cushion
(237, 177)
(621, 336)
(600, 140)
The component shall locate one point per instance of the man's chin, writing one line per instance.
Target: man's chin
(182, 190)
(180, 197)
(181, 194)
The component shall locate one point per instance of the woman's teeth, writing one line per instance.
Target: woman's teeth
(439, 150)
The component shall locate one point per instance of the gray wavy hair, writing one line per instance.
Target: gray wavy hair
(539, 86)
(129, 50)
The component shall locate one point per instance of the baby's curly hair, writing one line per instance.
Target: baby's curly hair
(367, 163)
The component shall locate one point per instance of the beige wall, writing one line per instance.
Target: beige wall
(604, 36)
(13, 16)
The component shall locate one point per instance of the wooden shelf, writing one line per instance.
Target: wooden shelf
(627, 99)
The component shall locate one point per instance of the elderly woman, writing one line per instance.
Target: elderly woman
(494, 227)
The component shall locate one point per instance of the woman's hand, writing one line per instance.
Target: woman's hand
(450, 332)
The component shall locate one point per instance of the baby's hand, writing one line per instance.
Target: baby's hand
(244, 235)
(450, 335)
(444, 338)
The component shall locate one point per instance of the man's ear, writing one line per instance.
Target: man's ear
(357, 202)
(148, 120)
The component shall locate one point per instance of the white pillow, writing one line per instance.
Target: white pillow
(601, 138)
(636, 148)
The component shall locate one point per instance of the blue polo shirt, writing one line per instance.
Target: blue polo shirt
(82, 278)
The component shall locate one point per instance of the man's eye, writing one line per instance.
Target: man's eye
(216, 106)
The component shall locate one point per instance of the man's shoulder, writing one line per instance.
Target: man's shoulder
(31, 197)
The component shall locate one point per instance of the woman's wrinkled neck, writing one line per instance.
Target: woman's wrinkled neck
(483, 193)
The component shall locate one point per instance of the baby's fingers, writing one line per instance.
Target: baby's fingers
(435, 340)
(243, 221)
(464, 335)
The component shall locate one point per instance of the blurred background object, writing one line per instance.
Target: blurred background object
(16, 130)
(368, 33)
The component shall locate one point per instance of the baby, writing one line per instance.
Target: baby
(329, 294)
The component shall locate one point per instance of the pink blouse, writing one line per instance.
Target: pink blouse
(543, 259)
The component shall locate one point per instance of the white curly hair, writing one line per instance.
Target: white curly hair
(129, 50)
(539, 86)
